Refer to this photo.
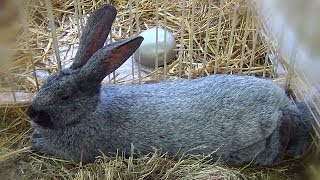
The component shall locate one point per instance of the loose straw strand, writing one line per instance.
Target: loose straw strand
(218, 37)
(131, 14)
(183, 16)
(191, 51)
(157, 39)
(206, 40)
(53, 32)
(231, 39)
(165, 39)
(138, 29)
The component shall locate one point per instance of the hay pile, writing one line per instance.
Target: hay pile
(34, 47)
(240, 48)
(234, 48)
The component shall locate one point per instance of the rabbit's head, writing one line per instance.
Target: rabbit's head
(74, 92)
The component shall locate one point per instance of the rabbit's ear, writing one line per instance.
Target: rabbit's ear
(94, 34)
(107, 60)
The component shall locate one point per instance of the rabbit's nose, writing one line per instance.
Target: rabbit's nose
(40, 117)
(44, 119)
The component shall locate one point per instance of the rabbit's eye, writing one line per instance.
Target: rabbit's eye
(66, 97)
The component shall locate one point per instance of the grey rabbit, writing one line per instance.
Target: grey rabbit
(239, 119)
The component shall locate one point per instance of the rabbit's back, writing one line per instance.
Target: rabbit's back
(220, 111)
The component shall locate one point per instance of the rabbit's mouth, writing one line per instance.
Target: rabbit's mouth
(42, 118)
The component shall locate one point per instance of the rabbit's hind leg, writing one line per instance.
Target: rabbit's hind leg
(301, 136)
(276, 144)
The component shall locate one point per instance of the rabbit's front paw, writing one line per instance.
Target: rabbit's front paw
(37, 141)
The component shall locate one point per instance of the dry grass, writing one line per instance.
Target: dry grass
(240, 51)
(34, 46)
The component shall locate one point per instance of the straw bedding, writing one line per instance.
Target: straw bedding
(34, 47)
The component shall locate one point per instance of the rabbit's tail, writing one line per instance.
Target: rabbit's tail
(301, 131)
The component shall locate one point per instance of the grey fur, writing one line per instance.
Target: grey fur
(301, 136)
(243, 119)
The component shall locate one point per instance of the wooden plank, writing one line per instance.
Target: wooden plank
(7, 98)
